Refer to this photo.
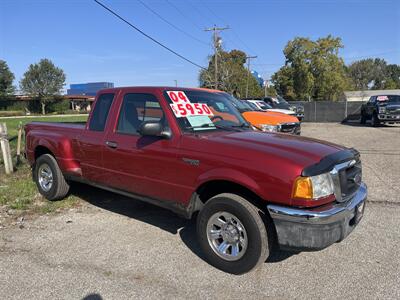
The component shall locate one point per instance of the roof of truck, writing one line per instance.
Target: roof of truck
(158, 88)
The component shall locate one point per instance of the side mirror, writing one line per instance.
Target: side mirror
(153, 128)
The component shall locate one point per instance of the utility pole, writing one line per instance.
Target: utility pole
(248, 73)
(176, 82)
(216, 40)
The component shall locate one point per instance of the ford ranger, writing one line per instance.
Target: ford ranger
(189, 150)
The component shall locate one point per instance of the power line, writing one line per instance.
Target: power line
(233, 31)
(184, 15)
(146, 35)
(171, 24)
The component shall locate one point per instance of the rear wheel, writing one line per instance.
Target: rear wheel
(49, 178)
(232, 234)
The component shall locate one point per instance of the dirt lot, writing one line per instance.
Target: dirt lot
(117, 248)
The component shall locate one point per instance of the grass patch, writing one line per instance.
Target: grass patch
(19, 192)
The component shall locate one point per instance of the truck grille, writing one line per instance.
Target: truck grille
(393, 110)
(347, 178)
(290, 128)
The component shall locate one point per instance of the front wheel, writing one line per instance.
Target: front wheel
(375, 121)
(49, 178)
(232, 234)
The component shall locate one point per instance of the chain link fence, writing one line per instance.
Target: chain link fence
(329, 111)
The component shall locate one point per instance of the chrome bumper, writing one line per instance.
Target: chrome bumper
(313, 229)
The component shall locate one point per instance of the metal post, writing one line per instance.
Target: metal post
(215, 30)
(5, 149)
(248, 73)
(19, 143)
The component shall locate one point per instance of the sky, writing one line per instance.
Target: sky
(92, 45)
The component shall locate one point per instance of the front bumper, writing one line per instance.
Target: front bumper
(389, 118)
(315, 229)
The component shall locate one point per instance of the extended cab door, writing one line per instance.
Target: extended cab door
(91, 142)
(141, 165)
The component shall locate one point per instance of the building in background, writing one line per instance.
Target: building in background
(88, 89)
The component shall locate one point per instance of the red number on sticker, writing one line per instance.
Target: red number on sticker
(206, 109)
(182, 110)
(189, 107)
(182, 97)
(173, 96)
(198, 108)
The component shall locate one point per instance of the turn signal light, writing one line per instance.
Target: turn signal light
(303, 188)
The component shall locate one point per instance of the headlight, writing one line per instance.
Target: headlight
(269, 128)
(382, 110)
(313, 187)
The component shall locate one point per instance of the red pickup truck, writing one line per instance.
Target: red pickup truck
(191, 151)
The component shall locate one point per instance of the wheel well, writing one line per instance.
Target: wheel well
(209, 189)
(40, 150)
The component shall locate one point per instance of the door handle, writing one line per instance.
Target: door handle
(112, 144)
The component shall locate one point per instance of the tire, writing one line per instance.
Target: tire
(244, 216)
(46, 170)
(375, 121)
(363, 119)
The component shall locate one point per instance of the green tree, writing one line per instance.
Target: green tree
(6, 80)
(232, 75)
(373, 74)
(43, 80)
(392, 77)
(312, 69)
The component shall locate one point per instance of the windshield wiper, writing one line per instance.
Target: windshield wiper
(243, 125)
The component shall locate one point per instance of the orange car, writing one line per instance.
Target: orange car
(265, 120)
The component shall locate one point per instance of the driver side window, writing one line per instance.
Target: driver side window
(137, 108)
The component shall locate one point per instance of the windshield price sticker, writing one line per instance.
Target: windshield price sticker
(178, 96)
(190, 109)
(382, 98)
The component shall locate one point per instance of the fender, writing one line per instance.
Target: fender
(60, 146)
(232, 175)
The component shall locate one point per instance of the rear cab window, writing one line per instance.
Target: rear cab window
(100, 113)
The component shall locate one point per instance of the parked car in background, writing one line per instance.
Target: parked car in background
(191, 151)
(381, 109)
(265, 120)
(266, 107)
(280, 103)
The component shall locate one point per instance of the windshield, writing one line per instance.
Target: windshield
(263, 105)
(278, 102)
(202, 111)
(389, 98)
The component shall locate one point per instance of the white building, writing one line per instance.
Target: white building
(365, 95)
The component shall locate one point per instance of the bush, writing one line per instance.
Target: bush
(59, 107)
(11, 113)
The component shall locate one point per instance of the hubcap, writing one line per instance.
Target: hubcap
(227, 236)
(45, 177)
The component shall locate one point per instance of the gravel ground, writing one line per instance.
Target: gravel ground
(118, 248)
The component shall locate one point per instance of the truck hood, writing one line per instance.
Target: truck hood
(256, 118)
(284, 111)
(273, 148)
